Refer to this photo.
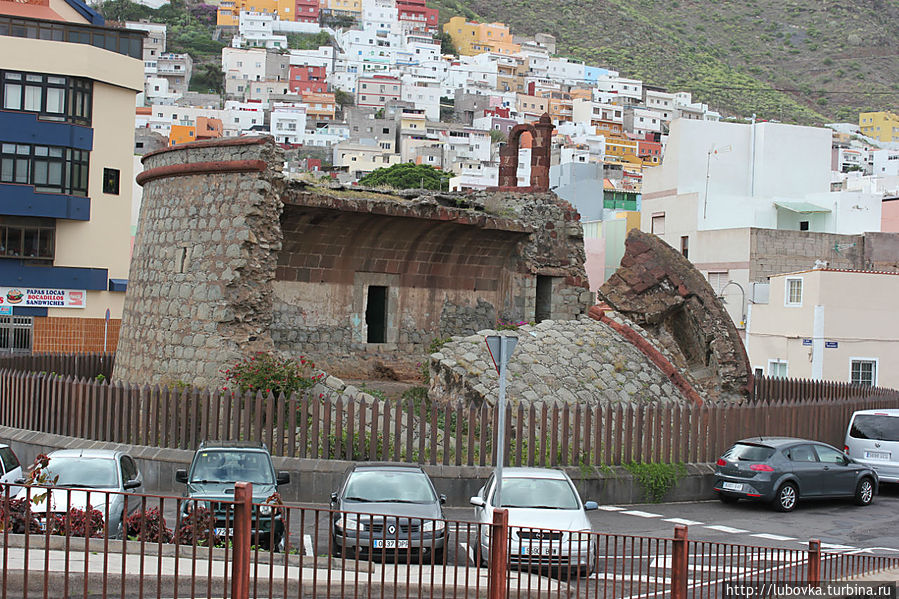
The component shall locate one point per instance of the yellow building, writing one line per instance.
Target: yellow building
(67, 133)
(882, 126)
(229, 10)
(476, 38)
(346, 7)
(622, 149)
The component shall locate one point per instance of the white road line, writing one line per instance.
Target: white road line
(611, 508)
(770, 537)
(873, 549)
(835, 547)
(641, 514)
(682, 521)
(727, 529)
(307, 545)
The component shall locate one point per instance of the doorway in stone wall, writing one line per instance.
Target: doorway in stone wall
(376, 314)
(544, 300)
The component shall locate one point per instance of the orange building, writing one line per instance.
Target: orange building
(209, 128)
(472, 38)
(320, 107)
(559, 106)
(182, 134)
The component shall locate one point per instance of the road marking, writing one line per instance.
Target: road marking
(307, 545)
(611, 508)
(770, 537)
(727, 529)
(834, 546)
(641, 514)
(469, 551)
(682, 521)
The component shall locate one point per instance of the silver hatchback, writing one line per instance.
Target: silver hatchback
(872, 438)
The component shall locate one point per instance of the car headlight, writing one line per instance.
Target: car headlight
(433, 526)
(265, 510)
(350, 523)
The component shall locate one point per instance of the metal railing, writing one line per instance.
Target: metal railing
(241, 548)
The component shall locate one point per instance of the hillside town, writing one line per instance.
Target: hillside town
(360, 297)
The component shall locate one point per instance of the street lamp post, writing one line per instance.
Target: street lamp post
(708, 175)
(742, 300)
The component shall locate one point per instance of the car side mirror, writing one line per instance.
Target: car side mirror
(283, 478)
(132, 484)
(333, 498)
(442, 498)
(591, 505)
(181, 475)
(477, 501)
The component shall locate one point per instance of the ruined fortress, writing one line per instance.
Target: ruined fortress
(232, 257)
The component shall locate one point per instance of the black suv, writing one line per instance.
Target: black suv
(216, 466)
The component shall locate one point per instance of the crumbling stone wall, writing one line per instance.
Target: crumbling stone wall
(576, 361)
(199, 294)
(661, 290)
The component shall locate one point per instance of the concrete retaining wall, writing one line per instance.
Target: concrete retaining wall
(312, 481)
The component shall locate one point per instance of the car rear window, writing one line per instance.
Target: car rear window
(878, 427)
(745, 452)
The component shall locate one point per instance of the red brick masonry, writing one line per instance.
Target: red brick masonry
(657, 357)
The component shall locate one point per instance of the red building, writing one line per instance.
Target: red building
(307, 11)
(649, 151)
(415, 11)
(306, 79)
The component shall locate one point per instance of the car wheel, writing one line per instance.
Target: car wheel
(480, 557)
(786, 498)
(864, 492)
(437, 557)
(727, 498)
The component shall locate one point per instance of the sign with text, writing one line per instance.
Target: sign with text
(42, 297)
(831, 344)
(5, 310)
(806, 342)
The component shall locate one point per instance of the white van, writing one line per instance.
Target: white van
(873, 439)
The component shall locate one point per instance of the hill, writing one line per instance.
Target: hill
(789, 60)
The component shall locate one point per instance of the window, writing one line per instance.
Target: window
(793, 292)
(777, 368)
(50, 169)
(829, 455)
(658, 223)
(801, 453)
(718, 279)
(863, 371)
(52, 97)
(111, 181)
(803, 225)
(30, 238)
(685, 246)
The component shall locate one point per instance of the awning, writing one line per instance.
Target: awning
(801, 207)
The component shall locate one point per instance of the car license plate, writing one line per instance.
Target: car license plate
(877, 455)
(224, 532)
(732, 486)
(390, 544)
(538, 550)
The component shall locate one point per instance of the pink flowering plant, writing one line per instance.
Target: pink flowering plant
(268, 373)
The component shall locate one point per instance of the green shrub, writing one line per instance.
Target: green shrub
(656, 479)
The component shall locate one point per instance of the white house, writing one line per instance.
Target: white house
(288, 122)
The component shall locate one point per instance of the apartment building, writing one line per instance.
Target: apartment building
(66, 166)
(882, 126)
(472, 38)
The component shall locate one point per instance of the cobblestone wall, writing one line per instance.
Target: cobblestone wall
(199, 294)
(571, 361)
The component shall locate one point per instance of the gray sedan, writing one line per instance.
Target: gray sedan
(781, 470)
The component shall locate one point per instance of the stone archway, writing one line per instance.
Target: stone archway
(541, 136)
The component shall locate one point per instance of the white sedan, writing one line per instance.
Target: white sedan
(548, 524)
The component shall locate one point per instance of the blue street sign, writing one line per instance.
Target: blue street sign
(831, 344)
(806, 342)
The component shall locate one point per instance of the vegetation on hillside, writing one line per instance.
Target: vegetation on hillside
(190, 27)
(788, 60)
(308, 41)
(408, 176)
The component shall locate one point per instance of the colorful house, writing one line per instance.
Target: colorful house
(472, 38)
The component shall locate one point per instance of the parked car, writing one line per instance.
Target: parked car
(548, 523)
(215, 467)
(387, 509)
(783, 470)
(10, 470)
(872, 439)
(89, 477)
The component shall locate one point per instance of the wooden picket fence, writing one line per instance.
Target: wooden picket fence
(54, 400)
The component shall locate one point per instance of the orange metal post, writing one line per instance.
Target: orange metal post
(814, 562)
(679, 555)
(240, 568)
(499, 546)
